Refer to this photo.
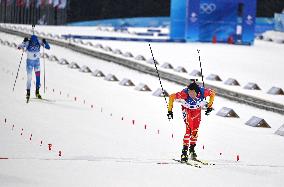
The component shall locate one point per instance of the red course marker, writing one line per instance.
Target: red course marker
(49, 147)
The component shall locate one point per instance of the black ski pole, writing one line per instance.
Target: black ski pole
(200, 67)
(198, 50)
(18, 70)
(158, 76)
(33, 29)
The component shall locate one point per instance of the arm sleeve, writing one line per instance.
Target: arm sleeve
(173, 97)
(23, 45)
(211, 94)
(45, 45)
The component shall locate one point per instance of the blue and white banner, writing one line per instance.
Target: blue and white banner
(201, 20)
(217, 18)
(178, 18)
(279, 22)
(192, 21)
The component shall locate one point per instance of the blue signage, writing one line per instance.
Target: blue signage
(203, 20)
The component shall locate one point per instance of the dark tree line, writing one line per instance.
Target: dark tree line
(105, 9)
(267, 8)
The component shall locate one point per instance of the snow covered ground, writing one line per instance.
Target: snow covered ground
(100, 149)
(275, 36)
(260, 64)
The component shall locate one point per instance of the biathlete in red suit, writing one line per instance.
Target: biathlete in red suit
(193, 99)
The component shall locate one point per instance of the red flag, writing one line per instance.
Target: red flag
(43, 3)
(20, 3)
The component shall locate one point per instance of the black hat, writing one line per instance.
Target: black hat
(194, 86)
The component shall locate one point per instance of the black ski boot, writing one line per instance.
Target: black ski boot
(192, 153)
(184, 155)
(28, 95)
(37, 94)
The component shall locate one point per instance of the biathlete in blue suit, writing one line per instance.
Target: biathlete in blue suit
(32, 47)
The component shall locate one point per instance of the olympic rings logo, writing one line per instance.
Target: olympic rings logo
(207, 8)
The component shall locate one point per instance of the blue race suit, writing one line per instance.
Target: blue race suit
(32, 48)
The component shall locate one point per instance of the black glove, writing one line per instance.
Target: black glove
(170, 115)
(207, 112)
(44, 41)
(26, 39)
